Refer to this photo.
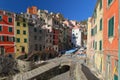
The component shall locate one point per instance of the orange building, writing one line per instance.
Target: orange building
(110, 38)
(32, 10)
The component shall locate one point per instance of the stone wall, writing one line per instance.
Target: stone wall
(24, 66)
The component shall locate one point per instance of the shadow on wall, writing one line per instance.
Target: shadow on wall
(88, 73)
(52, 73)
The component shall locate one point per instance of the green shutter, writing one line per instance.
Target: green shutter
(18, 23)
(0, 18)
(109, 2)
(24, 32)
(2, 38)
(111, 27)
(25, 40)
(100, 45)
(18, 40)
(10, 29)
(0, 28)
(10, 20)
(95, 45)
(18, 31)
(100, 4)
(100, 24)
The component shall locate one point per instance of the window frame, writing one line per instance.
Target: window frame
(18, 31)
(1, 17)
(101, 25)
(24, 31)
(1, 28)
(113, 27)
(18, 40)
(9, 29)
(9, 18)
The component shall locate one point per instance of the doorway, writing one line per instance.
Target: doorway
(23, 49)
(2, 50)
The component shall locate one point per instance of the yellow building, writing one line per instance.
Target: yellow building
(21, 34)
(98, 37)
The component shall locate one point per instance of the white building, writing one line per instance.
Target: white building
(76, 35)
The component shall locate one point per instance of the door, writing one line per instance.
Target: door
(108, 68)
(2, 51)
(23, 49)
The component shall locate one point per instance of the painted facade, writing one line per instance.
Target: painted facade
(98, 36)
(7, 25)
(21, 35)
(110, 38)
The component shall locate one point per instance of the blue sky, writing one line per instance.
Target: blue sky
(71, 9)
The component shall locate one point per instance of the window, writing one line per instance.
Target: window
(24, 25)
(100, 45)
(109, 2)
(95, 45)
(18, 23)
(111, 27)
(1, 38)
(0, 17)
(40, 31)
(100, 4)
(18, 31)
(24, 32)
(36, 47)
(9, 29)
(25, 40)
(35, 30)
(0, 28)
(24, 20)
(40, 47)
(10, 20)
(95, 30)
(40, 38)
(100, 24)
(92, 32)
(18, 40)
(35, 37)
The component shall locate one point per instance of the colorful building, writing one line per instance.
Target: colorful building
(21, 34)
(110, 38)
(98, 36)
(7, 21)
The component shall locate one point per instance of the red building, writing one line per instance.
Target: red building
(55, 39)
(110, 38)
(7, 20)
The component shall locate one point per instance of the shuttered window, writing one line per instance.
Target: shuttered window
(100, 4)
(9, 29)
(109, 2)
(25, 40)
(111, 27)
(100, 45)
(10, 20)
(18, 40)
(18, 23)
(0, 17)
(0, 28)
(24, 32)
(100, 24)
(18, 31)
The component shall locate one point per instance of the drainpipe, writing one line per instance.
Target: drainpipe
(119, 44)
